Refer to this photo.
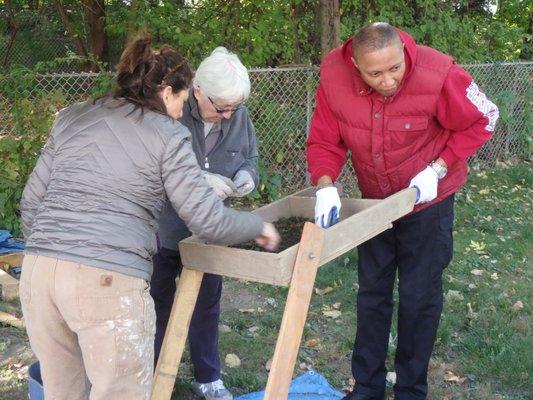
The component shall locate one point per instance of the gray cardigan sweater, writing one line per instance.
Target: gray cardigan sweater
(235, 150)
(100, 184)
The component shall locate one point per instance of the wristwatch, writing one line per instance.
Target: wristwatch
(324, 185)
(441, 170)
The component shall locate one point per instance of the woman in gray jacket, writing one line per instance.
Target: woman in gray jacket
(89, 213)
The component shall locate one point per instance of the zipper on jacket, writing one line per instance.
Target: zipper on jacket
(206, 163)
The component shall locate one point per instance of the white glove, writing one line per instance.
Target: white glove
(327, 207)
(222, 186)
(426, 183)
(244, 182)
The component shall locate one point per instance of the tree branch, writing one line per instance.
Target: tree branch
(13, 29)
(67, 21)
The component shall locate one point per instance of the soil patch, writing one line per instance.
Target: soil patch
(290, 230)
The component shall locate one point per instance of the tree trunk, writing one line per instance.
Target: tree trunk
(330, 25)
(95, 20)
(296, 15)
(131, 30)
(67, 21)
(33, 4)
(527, 51)
(231, 13)
(13, 29)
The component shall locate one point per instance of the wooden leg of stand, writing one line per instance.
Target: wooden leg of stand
(176, 333)
(295, 314)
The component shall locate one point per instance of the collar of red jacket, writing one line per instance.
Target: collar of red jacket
(409, 50)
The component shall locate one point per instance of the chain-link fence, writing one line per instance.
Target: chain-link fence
(281, 106)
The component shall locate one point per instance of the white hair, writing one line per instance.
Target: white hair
(222, 76)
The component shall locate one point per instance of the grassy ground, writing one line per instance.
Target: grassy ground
(484, 346)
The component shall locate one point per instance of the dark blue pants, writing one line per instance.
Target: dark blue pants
(203, 331)
(418, 246)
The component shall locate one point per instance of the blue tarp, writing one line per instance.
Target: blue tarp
(309, 386)
(8, 244)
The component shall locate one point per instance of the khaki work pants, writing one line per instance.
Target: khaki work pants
(91, 329)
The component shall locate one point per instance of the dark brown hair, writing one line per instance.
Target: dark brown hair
(141, 72)
(374, 37)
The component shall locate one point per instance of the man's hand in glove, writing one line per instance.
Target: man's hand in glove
(244, 182)
(223, 187)
(327, 207)
(426, 183)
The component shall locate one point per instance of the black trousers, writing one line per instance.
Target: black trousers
(418, 246)
(203, 331)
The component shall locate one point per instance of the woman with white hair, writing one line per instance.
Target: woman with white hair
(223, 140)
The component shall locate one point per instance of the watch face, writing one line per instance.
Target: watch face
(439, 169)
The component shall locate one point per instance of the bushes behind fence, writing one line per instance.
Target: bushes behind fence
(281, 105)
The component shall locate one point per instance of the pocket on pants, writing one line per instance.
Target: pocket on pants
(28, 264)
(445, 236)
(107, 297)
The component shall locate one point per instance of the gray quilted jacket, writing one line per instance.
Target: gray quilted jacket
(99, 186)
(236, 150)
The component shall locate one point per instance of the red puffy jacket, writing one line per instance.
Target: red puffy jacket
(438, 111)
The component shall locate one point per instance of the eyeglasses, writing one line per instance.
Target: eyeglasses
(223, 110)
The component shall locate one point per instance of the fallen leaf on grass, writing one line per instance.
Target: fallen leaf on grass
(251, 310)
(304, 366)
(478, 247)
(471, 313)
(477, 272)
(449, 376)
(334, 314)
(450, 279)
(350, 384)
(518, 306)
(268, 365)
(322, 292)
(391, 378)
(312, 342)
(494, 276)
(22, 373)
(336, 306)
(272, 302)
(452, 295)
(232, 360)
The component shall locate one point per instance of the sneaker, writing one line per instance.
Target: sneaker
(213, 390)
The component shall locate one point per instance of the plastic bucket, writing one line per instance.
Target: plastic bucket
(35, 383)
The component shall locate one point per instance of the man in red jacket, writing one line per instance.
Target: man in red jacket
(410, 118)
